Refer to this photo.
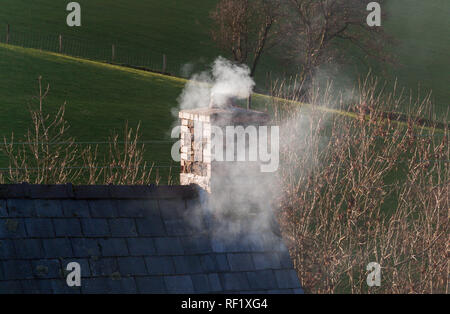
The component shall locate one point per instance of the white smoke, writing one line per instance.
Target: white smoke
(225, 79)
(240, 190)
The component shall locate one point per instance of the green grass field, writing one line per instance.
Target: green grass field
(171, 27)
(100, 98)
(423, 31)
(144, 30)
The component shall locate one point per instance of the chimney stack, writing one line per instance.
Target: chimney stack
(197, 129)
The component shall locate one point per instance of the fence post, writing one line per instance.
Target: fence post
(60, 43)
(113, 53)
(164, 63)
(7, 33)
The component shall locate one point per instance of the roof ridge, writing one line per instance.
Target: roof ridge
(69, 191)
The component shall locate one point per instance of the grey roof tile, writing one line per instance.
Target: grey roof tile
(201, 283)
(132, 266)
(39, 227)
(193, 204)
(160, 265)
(141, 246)
(214, 283)
(222, 262)
(177, 227)
(150, 226)
(187, 264)
(163, 242)
(120, 191)
(48, 208)
(7, 249)
(287, 278)
(3, 209)
(237, 245)
(44, 191)
(57, 248)
(75, 208)
(37, 286)
(197, 244)
(95, 227)
(280, 291)
(255, 243)
(85, 247)
(151, 284)
(234, 281)
(218, 245)
(240, 261)
(137, 208)
(15, 270)
(103, 208)
(285, 259)
(10, 287)
(113, 247)
(122, 227)
(263, 279)
(168, 246)
(12, 191)
(12, 228)
(208, 263)
(97, 285)
(179, 284)
(86, 192)
(60, 287)
(67, 227)
(47, 268)
(254, 292)
(172, 209)
(21, 208)
(103, 266)
(150, 208)
(266, 261)
(123, 285)
(272, 242)
(29, 248)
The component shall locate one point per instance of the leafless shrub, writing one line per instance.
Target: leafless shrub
(124, 162)
(364, 189)
(49, 156)
(47, 152)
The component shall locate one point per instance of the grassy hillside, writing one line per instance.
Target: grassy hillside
(423, 31)
(143, 30)
(172, 27)
(100, 98)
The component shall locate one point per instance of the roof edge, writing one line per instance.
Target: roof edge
(69, 191)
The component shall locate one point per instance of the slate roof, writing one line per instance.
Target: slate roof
(142, 239)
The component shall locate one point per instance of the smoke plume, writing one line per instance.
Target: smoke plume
(224, 79)
(243, 198)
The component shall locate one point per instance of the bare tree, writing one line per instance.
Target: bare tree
(245, 28)
(318, 32)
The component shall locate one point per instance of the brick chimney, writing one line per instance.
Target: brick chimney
(197, 164)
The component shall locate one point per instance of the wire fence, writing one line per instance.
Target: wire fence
(168, 164)
(150, 60)
(90, 142)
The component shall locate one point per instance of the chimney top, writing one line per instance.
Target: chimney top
(225, 115)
